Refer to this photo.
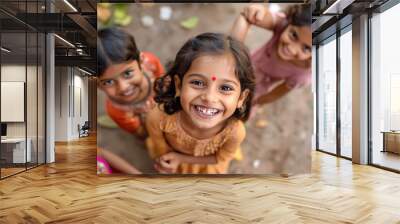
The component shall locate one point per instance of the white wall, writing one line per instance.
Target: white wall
(80, 100)
(12, 73)
(71, 93)
(61, 103)
(33, 127)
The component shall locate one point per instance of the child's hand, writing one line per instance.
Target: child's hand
(168, 163)
(254, 13)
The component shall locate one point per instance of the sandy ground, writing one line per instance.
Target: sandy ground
(283, 146)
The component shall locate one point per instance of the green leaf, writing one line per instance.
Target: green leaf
(121, 6)
(190, 23)
(119, 14)
(123, 21)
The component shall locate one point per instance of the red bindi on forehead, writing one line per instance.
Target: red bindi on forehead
(213, 78)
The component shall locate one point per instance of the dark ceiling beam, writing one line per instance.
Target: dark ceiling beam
(337, 7)
(91, 5)
(11, 25)
(84, 24)
(320, 22)
(57, 22)
(330, 28)
(22, 21)
(86, 51)
(62, 6)
(49, 22)
(84, 61)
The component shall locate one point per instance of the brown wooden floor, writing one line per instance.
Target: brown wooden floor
(5, 172)
(10, 171)
(70, 192)
(387, 159)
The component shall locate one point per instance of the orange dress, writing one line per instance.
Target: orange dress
(129, 121)
(166, 134)
(124, 120)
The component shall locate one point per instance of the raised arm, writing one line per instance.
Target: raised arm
(240, 28)
(278, 92)
(255, 14)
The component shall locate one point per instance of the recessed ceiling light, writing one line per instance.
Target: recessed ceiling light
(5, 49)
(84, 71)
(70, 5)
(64, 40)
(337, 7)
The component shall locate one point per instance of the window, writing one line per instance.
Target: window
(385, 89)
(23, 76)
(346, 75)
(327, 96)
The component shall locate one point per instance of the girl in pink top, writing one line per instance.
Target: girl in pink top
(284, 62)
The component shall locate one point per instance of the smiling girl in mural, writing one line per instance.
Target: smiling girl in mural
(203, 101)
(284, 62)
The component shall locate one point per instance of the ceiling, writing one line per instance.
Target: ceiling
(330, 15)
(23, 22)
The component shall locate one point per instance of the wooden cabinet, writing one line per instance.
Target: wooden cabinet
(391, 142)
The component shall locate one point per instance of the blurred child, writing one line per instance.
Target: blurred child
(284, 62)
(203, 100)
(125, 75)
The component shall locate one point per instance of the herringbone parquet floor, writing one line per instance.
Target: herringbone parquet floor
(70, 192)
